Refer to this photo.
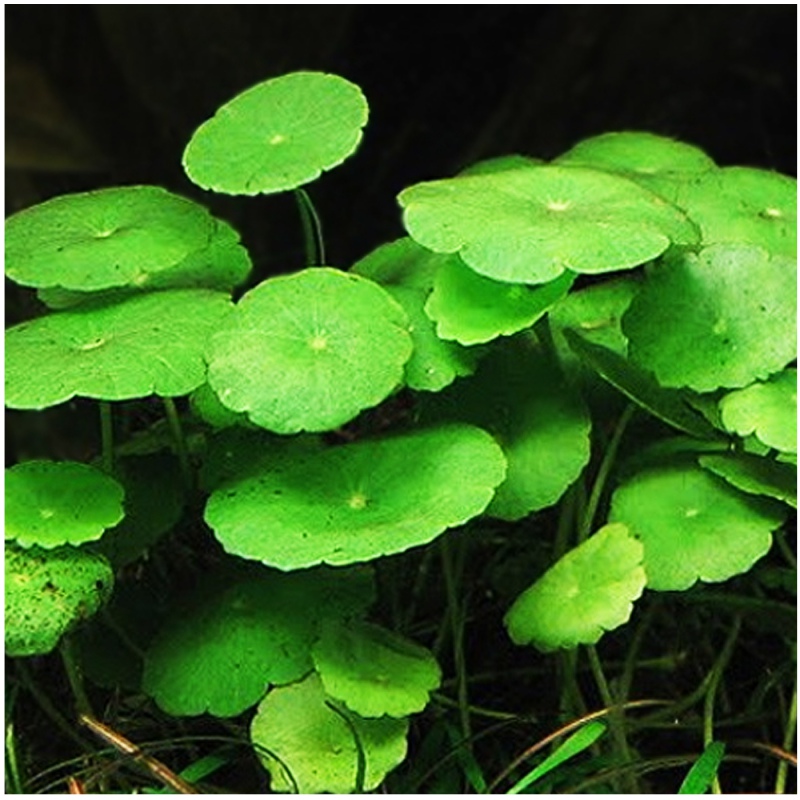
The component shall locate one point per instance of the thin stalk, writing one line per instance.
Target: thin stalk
(480, 711)
(74, 676)
(14, 781)
(632, 656)
(178, 439)
(457, 630)
(312, 229)
(786, 551)
(788, 742)
(107, 436)
(603, 471)
(716, 676)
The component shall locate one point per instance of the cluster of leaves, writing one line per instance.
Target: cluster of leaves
(490, 315)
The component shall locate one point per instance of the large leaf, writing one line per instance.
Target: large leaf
(146, 344)
(358, 501)
(721, 318)
(50, 503)
(49, 592)
(588, 591)
(277, 135)
(309, 351)
(373, 671)
(529, 225)
(109, 237)
(693, 525)
(219, 651)
(296, 730)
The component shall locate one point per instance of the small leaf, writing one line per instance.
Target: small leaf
(529, 225)
(49, 592)
(219, 651)
(374, 671)
(694, 526)
(51, 503)
(721, 318)
(755, 475)
(704, 770)
(587, 592)
(471, 309)
(146, 344)
(309, 351)
(317, 746)
(110, 237)
(358, 501)
(278, 135)
(767, 409)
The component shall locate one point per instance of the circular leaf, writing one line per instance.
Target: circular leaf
(50, 503)
(693, 525)
(587, 592)
(358, 501)
(146, 344)
(105, 238)
(529, 225)
(220, 650)
(374, 671)
(309, 351)
(278, 135)
(317, 746)
(767, 409)
(48, 592)
(721, 318)
(754, 474)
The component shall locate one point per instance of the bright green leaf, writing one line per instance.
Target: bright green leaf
(539, 420)
(277, 135)
(317, 746)
(721, 318)
(500, 164)
(309, 351)
(529, 225)
(219, 651)
(110, 237)
(588, 591)
(754, 474)
(693, 525)
(375, 671)
(51, 503)
(471, 309)
(704, 770)
(146, 344)
(358, 501)
(769, 410)
(49, 592)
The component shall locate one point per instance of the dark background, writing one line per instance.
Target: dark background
(98, 95)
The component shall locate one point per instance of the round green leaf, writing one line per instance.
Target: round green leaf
(587, 592)
(540, 422)
(146, 344)
(500, 164)
(358, 501)
(723, 317)
(637, 153)
(693, 525)
(296, 730)
(472, 309)
(309, 351)
(222, 265)
(769, 410)
(277, 135)
(105, 238)
(407, 271)
(51, 503)
(529, 225)
(49, 592)
(374, 671)
(755, 474)
(221, 649)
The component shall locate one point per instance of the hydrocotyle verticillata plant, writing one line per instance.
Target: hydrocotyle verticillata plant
(504, 344)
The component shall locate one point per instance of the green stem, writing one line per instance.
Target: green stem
(603, 472)
(74, 676)
(716, 676)
(312, 229)
(788, 742)
(786, 551)
(107, 436)
(179, 440)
